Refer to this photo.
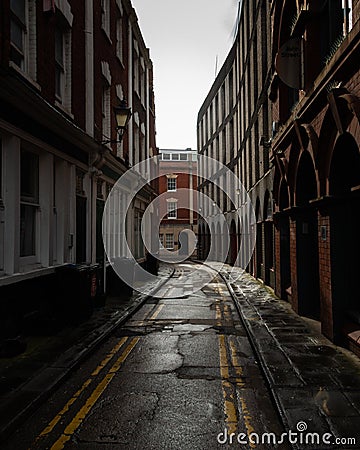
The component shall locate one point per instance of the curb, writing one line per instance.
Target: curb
(56, 373)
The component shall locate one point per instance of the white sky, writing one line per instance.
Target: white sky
(184, 38)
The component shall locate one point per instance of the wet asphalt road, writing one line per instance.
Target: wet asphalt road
(178, 374)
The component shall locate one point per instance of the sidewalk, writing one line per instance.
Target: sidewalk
(29, 378)
(312, 381)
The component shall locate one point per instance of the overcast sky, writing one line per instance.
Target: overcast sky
(185, 37)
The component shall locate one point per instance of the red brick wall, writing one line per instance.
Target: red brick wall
(277, 258)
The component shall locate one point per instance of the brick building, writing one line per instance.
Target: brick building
(234, 125)
(178, 205)
(315, 151)
(64, 65)
(283, 114)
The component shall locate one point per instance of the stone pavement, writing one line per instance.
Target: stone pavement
(315, 384)
(29, 378)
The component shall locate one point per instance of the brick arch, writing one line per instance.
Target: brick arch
(342, 117)
(306, 166)
(345, 165)
(312, 142)
(279, 175)
(284, 196)
(294, 157)
(258, 210)
(327, 138)
(267, 199)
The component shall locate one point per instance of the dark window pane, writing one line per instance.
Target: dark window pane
(16, 33)
(27, 230)
(18, 8)
(58, 82)
(59, 47)
(29, 176)
(17, 58)
(80, 229)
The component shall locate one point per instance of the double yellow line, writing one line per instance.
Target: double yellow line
(95, 395)
(231, 387)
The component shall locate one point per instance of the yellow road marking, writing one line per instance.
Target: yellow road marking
(157, 312)
(109, 356)
(230, 409)
(51, 425)
(227, 313)
(100, 388)
(236, 364)
(228, 393)
(240, 383)
(218, 315)
(247, 420)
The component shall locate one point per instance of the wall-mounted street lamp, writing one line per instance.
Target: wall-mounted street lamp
(122, 116)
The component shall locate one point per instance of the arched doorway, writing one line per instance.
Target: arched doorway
(268, 239)
(233, 243)
(307, 259)
(219, 251)
(200, 242)
(285, 260)
(259, 241)
(344, 182)
(206, 241)
(212, 243)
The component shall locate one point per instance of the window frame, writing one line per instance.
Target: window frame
(167, 246)
(59, 65)
(171, 180)
(33, 202)
(63, 28)
(171, 210)
(105, 16)
(22, 24)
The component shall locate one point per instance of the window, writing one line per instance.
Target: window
(29, 202)
(119, 38)
(23, 35)
(183, 157)
(105, 110)
(18, 32)
(171, 184)
(100, 189)
(136, 70)
(161, 239)
(59, 63)
(63, 64)
(81, 207)
(175, 156)
(139, 245)
(142, 81)
(105, 16)
(171, 210)
(169, 241)
(166, 156)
